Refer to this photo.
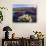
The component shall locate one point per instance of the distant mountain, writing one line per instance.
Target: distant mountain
(23, 9)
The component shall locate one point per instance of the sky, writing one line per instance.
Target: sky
(23, 5)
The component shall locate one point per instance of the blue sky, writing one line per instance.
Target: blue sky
(22, 5)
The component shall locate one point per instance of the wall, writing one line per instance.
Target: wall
(23, 29)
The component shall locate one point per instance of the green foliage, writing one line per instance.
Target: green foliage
(1, 15)
(39, 34)
(3, 8)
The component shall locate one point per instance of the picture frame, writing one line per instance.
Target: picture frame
(24, 13)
